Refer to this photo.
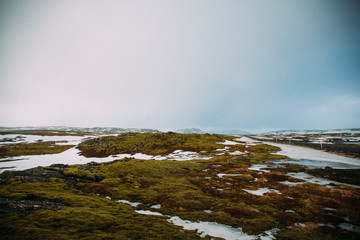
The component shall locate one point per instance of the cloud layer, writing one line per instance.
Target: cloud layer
(175, 64)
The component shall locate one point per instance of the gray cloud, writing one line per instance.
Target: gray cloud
(173, 64)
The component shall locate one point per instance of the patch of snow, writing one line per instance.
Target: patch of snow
(208, 211)
(258, 167)
(290, 183)
(221, 175)
(65, 140)
(107, 197)
(268, 235)
(329, 209)
(133, 204)
(156, 206)
(325, 225)
(247, 140)
(180, 155)
(236, 153)
(300, 225)
(349, 227)
(147, 212)
(289, 211)
(227, 142)
(262, 191)
(72, 156)
(212, 229)
(311, 179)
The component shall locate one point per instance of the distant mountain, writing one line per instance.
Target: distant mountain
(231, 132)
(329, 131)
(191, 130)
(223, 132)
(98, 130)
(114, 130)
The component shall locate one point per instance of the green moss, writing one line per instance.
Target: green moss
(76, 172)
(263, 148)
(304, 234)
(149, 143)
(183, 188)
(85, 217)
(38, 148)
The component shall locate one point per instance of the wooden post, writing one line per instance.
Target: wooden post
(321, 143)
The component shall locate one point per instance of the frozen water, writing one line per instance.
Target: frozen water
(296, 152)
(70, 156)
(67, 140)
(317, 164)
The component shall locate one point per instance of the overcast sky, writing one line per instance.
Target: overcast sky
(170, 64)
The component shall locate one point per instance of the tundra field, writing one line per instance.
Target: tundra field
(155, 185)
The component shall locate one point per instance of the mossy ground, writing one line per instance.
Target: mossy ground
(185, 189)
(149, 143)
(37, 148)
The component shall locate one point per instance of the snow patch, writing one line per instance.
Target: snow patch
(147, 212)
(133, 204)
(227, 142)
(221, 175)
(262, 191)
(349, 227)
(212, 229)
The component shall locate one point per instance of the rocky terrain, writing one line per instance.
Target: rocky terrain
(232, 188)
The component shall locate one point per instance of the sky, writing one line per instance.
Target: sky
(172, 64)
